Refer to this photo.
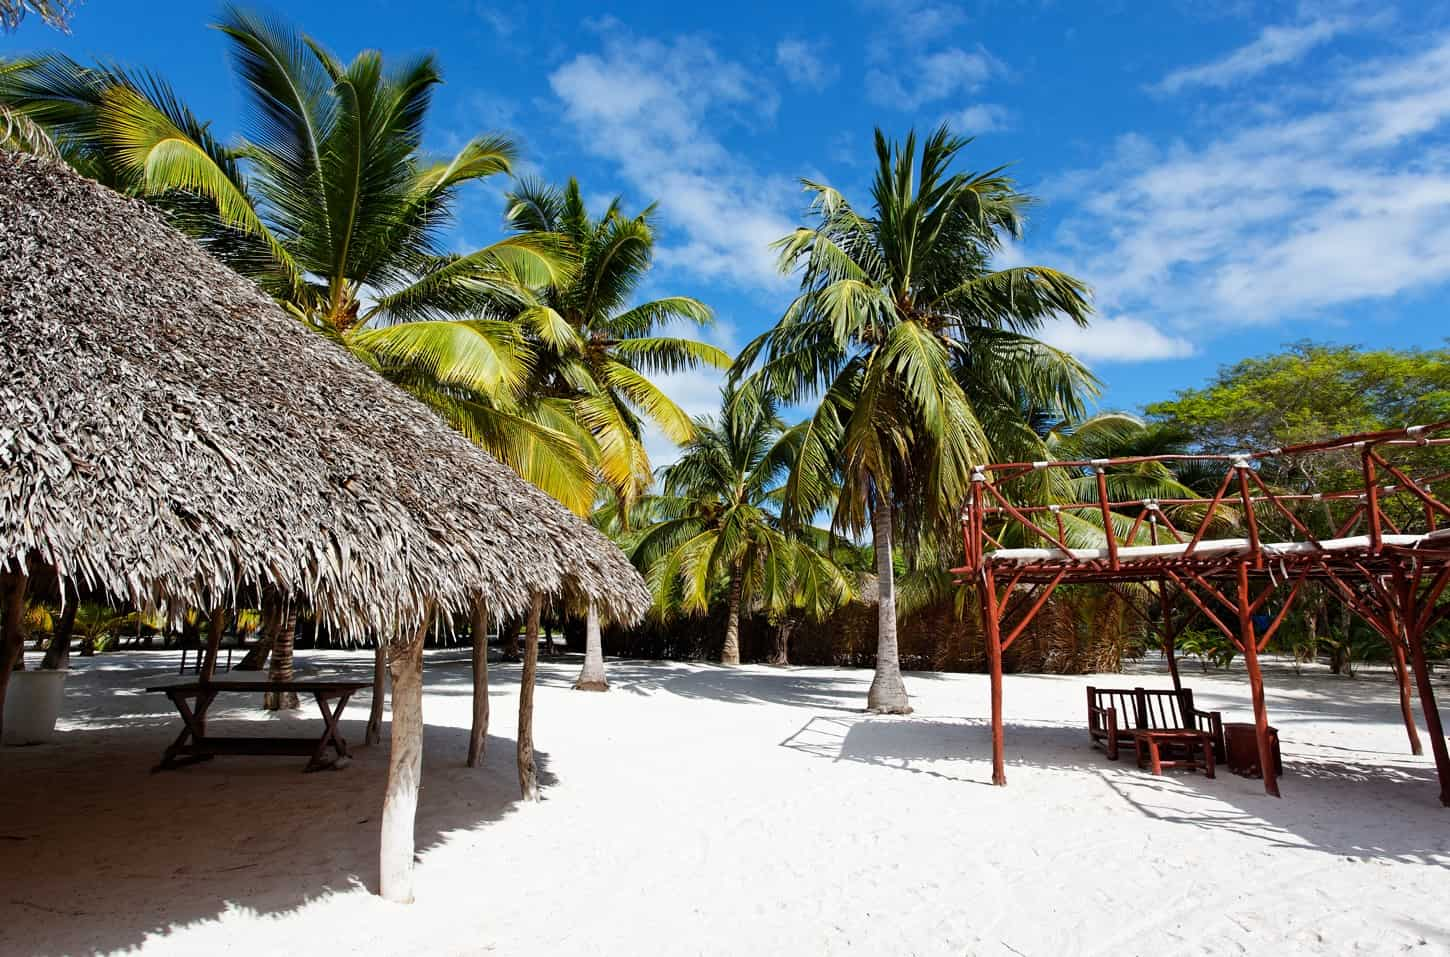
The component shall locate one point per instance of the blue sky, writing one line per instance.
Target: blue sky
(1227, 181)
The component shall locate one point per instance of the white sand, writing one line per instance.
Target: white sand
(698, 810)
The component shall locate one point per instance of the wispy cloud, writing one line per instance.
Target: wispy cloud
(913, 61)
(805, 64)
(655, 109)
(931, 77)
(1274, 46)
(981, 118)
(1340, 197)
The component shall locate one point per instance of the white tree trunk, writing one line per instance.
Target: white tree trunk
(888, 691)
(479, 733)
(591, 676)
(528, 774)
(405, 768)
(374, 733)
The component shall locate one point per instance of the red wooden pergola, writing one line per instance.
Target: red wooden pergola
(1231, 558)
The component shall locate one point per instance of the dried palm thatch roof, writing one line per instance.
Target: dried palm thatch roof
(172, 437)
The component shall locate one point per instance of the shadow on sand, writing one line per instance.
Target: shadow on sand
(83, 816)
(1323, 807)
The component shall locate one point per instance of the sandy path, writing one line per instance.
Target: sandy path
(698, 810)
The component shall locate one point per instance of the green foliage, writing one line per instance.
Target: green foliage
(716, 522)
(1309, 392)
(596, 346)
(1209, 646)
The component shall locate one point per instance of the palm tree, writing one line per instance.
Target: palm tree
(56, 13)
(719, 523)
(596, 346)
(328, 202)
(919, 353)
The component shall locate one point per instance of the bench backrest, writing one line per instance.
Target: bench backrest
(1159, 710)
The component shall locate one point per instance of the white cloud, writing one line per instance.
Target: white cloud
(1117, 339)
(980, 118)
(1275, 46)
(913, 23)
(654, 109)
(912, 59)
(1341, 196)
(804, 64)
(931, 77)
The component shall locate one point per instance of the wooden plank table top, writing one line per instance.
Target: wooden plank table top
(193, 698)
(309, 686)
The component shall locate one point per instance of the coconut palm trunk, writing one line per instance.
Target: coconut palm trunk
(57, 656)
(479, 732)
(405, 767)
(256, 657)
(591, 676)
(284, 619)
(374, 733)
(528, 773)
(730, 653)
(888, 691)
(783, 631)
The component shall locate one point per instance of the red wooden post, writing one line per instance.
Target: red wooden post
(1107, 514)
(1256, 681)
(1372, 508)
(1402, 678)
(991, 626)
(1415, 633)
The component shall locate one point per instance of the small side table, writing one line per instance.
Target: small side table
(1241, 741)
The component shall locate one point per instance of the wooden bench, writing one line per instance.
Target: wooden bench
(1174, 749)
(193, 699)
(1114, 714)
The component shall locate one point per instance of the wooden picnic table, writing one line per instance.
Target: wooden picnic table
(193, 744)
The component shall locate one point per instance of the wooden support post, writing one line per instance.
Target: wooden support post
(1415, 635)
(478, 734)
(991, 626)
(405, 765)
(1250, 646)
(1397, 645)
(528, 773)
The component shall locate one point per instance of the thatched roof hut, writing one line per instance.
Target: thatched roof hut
(171, 438)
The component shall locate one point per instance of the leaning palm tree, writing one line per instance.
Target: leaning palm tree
(329, 203)
(919, 353)
(719, 525)
(598, 347)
